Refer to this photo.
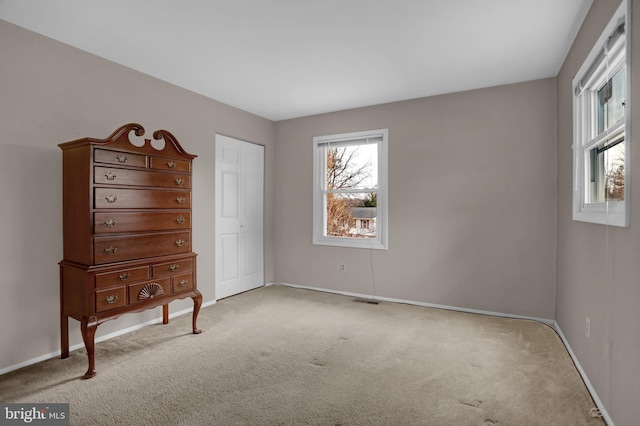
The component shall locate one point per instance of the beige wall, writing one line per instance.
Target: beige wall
(472, 190)
(599, 266)
(51, 93)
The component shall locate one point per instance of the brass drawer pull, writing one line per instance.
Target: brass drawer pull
(174, 267)
(111, 198)
(121, 158)
(124, 276)
(181, 200)
(111, 299)
(171, 164)
(179, 181)
(180, 219)
(183, 283)
(110, 176)
(180, 243)
(111, 250)
(110, 223)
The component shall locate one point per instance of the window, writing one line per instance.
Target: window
(601, 129)
(350, 189)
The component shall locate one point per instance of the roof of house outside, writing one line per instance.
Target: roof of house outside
(364, 212)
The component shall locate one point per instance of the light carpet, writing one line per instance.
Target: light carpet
(285, 356)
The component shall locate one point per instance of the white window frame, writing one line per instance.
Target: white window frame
(319, 190)
(585, 85)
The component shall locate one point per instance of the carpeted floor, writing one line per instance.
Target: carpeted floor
(286, 356)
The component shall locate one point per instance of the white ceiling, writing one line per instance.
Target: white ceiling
(282, 59)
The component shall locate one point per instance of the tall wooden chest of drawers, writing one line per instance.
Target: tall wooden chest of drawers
(127, 231)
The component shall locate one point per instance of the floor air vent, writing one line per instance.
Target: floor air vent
(369, 301)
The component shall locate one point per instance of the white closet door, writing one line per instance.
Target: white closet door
(239, 216)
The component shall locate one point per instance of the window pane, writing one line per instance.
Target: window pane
(611, 98)
(351, 215)
(607, 171)
(352, 167)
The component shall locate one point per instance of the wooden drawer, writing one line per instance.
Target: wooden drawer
(149, 290)
(110, 175)
(123, 276)
(130, 247)
(168, 268)
(118, 222)
(170, 164)
(182, 282)
(118, 198)
(111, 298)
(121, 158)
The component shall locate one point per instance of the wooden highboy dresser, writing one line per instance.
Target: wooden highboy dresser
(127, 231)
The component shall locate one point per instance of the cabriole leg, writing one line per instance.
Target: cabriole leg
(197, 302)
(88, 327)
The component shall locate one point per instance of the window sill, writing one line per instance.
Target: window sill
(612, 214)
(350, 242)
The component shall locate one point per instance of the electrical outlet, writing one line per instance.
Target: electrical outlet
(343, 267)
(587, 327)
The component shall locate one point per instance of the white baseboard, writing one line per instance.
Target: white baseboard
(99, 339)
(548, 322)
(587, 382)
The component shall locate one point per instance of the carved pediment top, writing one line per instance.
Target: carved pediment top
(120, 139)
